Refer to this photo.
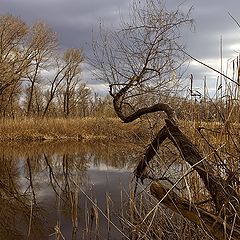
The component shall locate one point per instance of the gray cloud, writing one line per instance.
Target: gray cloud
(74, 20)
(213, 22)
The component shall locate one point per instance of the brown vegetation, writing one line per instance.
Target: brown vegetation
(36, 77)
(204, 185)
(77, 129)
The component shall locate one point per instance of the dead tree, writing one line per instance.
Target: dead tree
(142, 64)
(224, 221)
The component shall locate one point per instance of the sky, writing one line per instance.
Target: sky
(75, 20)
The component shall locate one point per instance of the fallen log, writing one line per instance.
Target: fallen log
(214, 225)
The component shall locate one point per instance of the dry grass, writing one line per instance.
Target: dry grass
(34, 129)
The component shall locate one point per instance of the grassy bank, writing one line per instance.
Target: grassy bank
(92, 128)
(33, 129)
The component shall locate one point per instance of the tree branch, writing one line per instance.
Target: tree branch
(214, 225)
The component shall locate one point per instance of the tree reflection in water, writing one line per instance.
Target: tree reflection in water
(58, 190)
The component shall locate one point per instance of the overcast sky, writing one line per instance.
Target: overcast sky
(74, 20)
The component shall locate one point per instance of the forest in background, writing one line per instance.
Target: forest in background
(37, 77)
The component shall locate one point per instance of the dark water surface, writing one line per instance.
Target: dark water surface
(63, 190)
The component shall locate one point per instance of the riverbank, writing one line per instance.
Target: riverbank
(77, 129)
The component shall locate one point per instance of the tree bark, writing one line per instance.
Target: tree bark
(213, 225)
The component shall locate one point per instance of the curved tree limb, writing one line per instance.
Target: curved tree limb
(151, 152)
(117, 104)
(155, 108)
(221, 192)
(226, 199)
(219, 189)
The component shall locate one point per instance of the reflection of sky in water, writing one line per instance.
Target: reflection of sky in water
(96, 176)
(99, 183)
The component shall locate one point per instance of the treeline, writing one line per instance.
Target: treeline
(37, 78)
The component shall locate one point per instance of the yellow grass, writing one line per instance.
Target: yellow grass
(34, 129)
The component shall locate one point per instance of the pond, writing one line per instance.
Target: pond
(64, 190)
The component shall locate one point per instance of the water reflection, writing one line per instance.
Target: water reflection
(62, 190)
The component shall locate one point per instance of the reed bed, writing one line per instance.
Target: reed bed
(34, 129)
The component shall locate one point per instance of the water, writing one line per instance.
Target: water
(55, 190)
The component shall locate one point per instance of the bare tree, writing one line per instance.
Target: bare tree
(42, 42)
(15, 58)
(143, 59)
(148, 47)
(65, 82)
(55, 82)
(80, 102)
(73, 58)
(13, 31)
(25, 53)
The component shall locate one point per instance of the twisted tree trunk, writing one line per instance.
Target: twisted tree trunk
(224, 222)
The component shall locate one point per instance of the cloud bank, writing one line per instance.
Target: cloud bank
(74, 21)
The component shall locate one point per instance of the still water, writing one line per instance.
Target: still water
(64, 190)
